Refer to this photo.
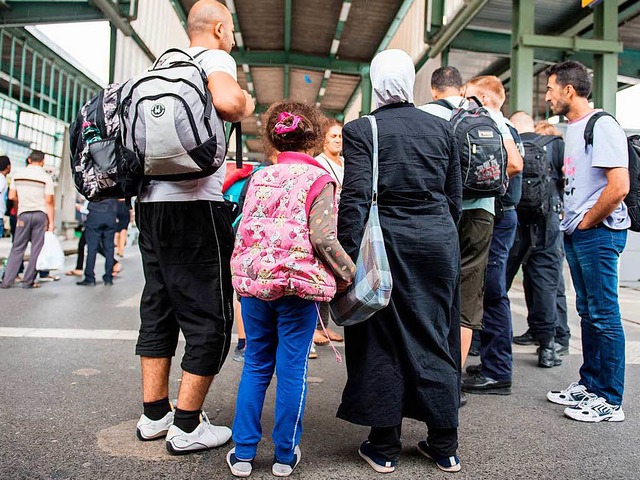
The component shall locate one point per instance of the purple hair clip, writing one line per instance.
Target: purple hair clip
(281, 127)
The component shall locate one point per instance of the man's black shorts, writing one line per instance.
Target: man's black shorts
(186, 251)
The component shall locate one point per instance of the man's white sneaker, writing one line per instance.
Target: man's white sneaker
(570, 397)
(204, 437)
(595, 409)
(148, 429)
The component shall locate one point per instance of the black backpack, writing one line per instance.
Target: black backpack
(632, 200)
(99, 165)
(537, 181)
(483, 158)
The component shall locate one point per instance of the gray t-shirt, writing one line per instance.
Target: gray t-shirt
(585, 170)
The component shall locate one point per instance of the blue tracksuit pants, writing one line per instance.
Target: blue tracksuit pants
(279, 335)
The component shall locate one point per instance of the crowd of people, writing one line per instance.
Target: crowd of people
(453, 257)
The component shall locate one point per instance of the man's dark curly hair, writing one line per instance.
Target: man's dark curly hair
(306, 137)
(574, 74)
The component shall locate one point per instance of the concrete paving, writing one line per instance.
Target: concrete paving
(70, 397)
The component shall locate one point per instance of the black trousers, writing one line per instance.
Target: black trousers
(386, 441)
(539, 251)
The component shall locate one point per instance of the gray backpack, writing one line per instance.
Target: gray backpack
(168, 122)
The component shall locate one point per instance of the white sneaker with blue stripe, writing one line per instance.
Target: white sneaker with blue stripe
(595, 409)
(570, 396)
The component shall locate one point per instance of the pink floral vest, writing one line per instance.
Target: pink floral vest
(273, 255)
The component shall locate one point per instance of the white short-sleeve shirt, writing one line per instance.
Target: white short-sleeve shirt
(207, 188)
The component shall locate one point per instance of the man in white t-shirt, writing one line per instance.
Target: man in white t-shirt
(32, 189)
(186, 241)
(5, 169)
(595, 224)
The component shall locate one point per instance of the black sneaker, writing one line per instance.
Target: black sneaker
(375, 460)
(486, 386)
(447, 464)
(86, 283)
(526, 338)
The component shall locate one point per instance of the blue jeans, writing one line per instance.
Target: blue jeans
(496, 333)
(100, 230)
(279, 335)
(593, 260)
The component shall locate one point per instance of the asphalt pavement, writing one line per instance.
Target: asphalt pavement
(70, 398)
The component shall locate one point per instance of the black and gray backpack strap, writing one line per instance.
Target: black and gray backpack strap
(588, 130)
(237, 128)
(443, 103)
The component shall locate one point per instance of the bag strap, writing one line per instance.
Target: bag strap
(444, 103)
(542, 141)
(171, 50)
(374, 131)
(588, 130)
(236, 127)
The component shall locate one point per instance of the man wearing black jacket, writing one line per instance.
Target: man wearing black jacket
(539, 250)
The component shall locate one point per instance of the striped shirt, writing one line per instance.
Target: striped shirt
(32, 184)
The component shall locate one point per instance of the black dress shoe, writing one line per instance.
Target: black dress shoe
(86, 283)
(486, 386)
(525, 339)
(474, 369)
(547, 356)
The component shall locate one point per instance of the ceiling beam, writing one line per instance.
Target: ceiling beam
(500, 44)
(297, 60)
(335, 45)
(447, 34)
(180, 11)
(395, 25)
(241, 50)
(384, 43)
(19, 14)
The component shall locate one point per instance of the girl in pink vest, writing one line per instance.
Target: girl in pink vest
(286, 259)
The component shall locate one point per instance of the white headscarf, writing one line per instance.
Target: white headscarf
(392, 77)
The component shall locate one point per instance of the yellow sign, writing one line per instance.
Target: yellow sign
(590, 3)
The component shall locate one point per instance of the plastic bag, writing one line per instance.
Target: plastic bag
(52, 255)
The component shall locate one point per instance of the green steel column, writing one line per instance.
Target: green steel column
(52, 77)
(17, 129)
(445, 57)
(287, 82)
(288, 9)
(112, 53)
(12, 62)
(23, 70)
(605, 71)
(366, 90)
(43, 76)
(521, 94)
(34, 63)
